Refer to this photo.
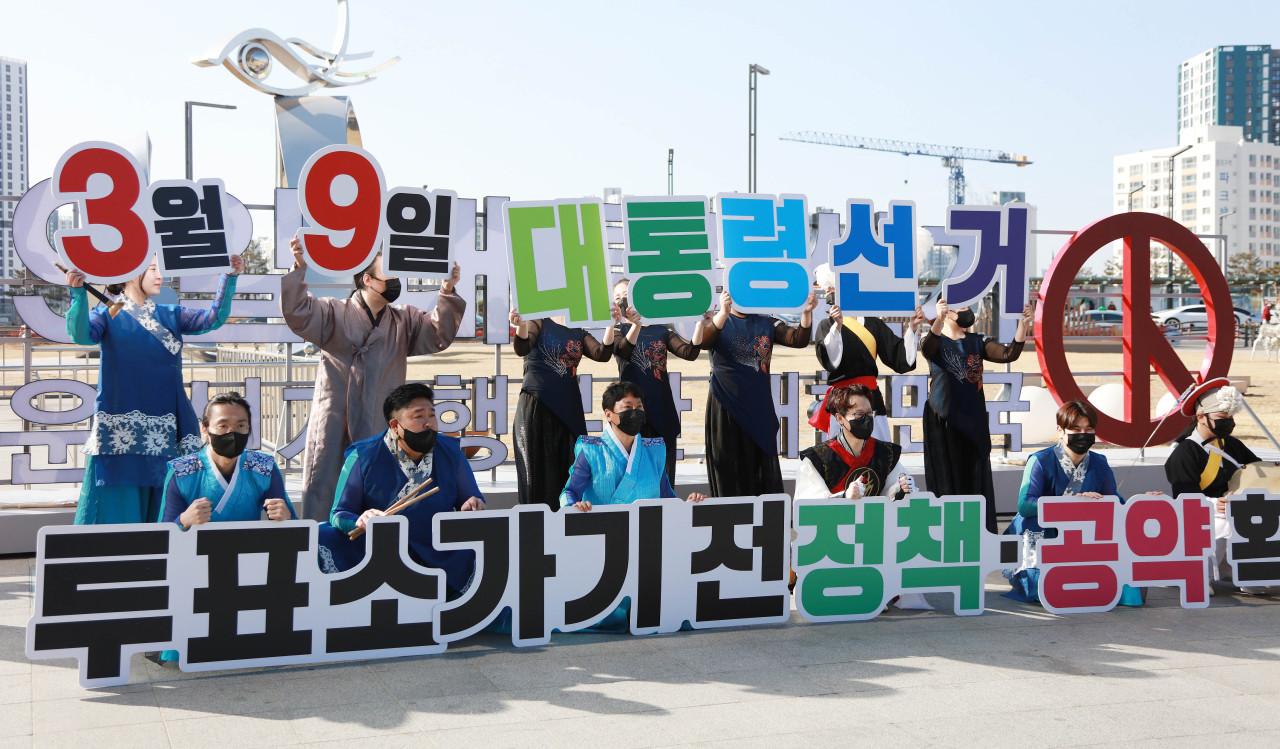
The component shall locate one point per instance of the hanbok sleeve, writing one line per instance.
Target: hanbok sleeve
(433, 331)
(1181, 470)
(666, 490)
(929, 346)
(524, 345)
(595, 350)
(1001, 353)
(348, 499)
(84, 325)
(196, 321)
(791, 336)
(829, 344)
(311, 318)
(579, 481)
(172, 503)
(275, 490)
(1034, 481)
(676, 344)
(710, 334)
(897, 353)
(809, 484)
(467, 486)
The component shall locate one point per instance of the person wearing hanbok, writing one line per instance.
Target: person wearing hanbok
(142, 417)
(223, 482)
(741, 426)
(957, 436)
(1206, 458)
(381, 470)
(618, 468)
(642, 359)
(549, 414)
(364, 342)
(854, 463)
(1068, 468)
(847, 349)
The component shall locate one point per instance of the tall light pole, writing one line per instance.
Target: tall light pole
(189, 105)
(1135, 190)
(671, 179)
(751, 126)
(1226, 249)
(1168, 262)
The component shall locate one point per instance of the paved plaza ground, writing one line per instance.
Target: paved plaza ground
(1016, 676)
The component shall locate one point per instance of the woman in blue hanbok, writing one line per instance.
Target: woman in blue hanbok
(1069, 468)
(224, 481)
(142, 416)
(618, 468)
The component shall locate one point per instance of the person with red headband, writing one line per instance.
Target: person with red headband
(847, 349)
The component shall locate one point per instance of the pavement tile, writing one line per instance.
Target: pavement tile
(381, 741)
(514, 673)
(213, 698)
(506, 736)
(64, 683)
(15, 688)
(899, 672)
(54, 716)
(880, 737)
(462, 711)
(1250, 678)
(1124, 688)
(768, 683)
(407, 684)
(950, 701)
(16, 742)
(628, 696)
(630, 666)
(141, 736)
(716, 659)
(241, 731)
(15, 720)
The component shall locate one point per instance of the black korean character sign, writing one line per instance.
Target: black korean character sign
(102, 594)
(193, 223)
(738, 560)
(493, 536)
(389, 591)
(419, 232)
(1254, 547)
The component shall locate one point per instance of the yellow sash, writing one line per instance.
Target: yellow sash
(862, 333)
(1211, 468)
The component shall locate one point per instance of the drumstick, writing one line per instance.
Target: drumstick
(397, 508)
(112, 307)
(416, 490)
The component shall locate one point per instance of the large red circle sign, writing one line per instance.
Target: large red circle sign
(1145, 345)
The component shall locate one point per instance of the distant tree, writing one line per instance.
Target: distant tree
(1244, 265)
(255, 259)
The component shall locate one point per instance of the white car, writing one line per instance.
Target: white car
(1195, 316)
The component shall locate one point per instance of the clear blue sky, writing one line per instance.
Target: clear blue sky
(548, 100)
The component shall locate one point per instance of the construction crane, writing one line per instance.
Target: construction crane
(953, 157)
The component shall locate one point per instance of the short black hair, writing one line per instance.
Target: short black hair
(231, 398)
(617, 391)
(369, 270)
(403, 396)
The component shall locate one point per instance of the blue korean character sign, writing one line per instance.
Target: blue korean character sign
(876, 266)
(764, 246)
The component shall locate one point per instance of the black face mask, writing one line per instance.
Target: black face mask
(228, 445)
(831, 297)
(419, 442)
(391, 292)
(1080, 443)
(629, 422)
(862, 426)
(966, 318)
(622, 304)
(1223, 427)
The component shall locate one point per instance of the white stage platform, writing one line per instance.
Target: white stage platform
(18, 527)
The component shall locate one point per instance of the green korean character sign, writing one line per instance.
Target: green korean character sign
(556, 257)
(669, 257)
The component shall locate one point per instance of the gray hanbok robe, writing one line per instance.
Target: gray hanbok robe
(359, 365)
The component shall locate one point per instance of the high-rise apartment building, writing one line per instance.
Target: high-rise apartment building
(13, 154)
(1233, 85)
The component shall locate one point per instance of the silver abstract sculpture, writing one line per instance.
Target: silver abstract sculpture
(249, 56)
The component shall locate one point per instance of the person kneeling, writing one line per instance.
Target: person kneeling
(1068, 468)
(224, 482)
(618, 469)
(383, 469)
(854, 464)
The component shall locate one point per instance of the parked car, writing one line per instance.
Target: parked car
(1195, 316)
(1108, 321)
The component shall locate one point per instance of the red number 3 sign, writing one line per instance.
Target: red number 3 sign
(106, 182)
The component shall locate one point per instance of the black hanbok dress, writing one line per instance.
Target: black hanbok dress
(645, 365)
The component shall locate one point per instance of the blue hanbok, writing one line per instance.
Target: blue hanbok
(604, 473)
(1050, 473)
(256, 479)
(142, 416)
(377, 474)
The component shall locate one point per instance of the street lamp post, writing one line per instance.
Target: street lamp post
(189, 105)
(1139, 188)
(1168, 260)
(751, 126)
(1226, 250)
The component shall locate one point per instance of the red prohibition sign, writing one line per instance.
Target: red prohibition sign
(1145, 345)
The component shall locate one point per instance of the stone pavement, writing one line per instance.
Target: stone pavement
(1015, 676)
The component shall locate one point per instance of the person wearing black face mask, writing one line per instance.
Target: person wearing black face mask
(852, 464)
(223, 482)
(364, 341)
(388, 467)
(957, 440)
(1208, 455)
(1068, 468)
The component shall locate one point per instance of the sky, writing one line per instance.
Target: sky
(562, 99)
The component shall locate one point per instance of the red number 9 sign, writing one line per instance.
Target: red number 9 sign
(113, 243)
(340, 194)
